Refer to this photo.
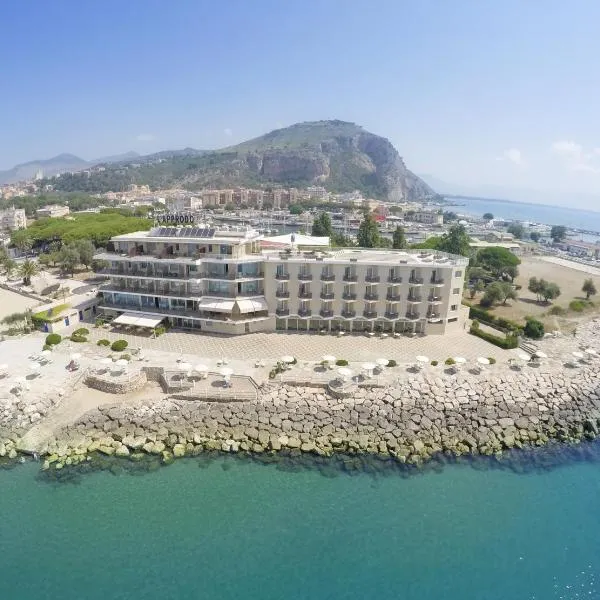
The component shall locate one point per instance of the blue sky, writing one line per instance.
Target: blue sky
(473, 92)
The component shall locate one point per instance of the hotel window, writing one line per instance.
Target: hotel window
(458, 274)
(454, 307)
(456, 291)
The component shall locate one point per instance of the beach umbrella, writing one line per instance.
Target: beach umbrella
(287, 359)
(591, 351)
(328, 358)
(422, 359)
(45, 353)
(227, 372)
(483, 361)
(185, 366)
(368, 367)
(106, 361)
(34, 366)
(75, 356)
(524, 356)
(460, 360)
(201, 368)
(541, 354)
(578, 354)
(122, 363)
(345, 373)
(3, 367)
(382, 362)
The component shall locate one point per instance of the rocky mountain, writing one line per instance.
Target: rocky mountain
(340, 156)
(52, 166)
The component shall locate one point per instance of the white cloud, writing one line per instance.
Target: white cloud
(575, 157)
(514, 156)
(145, 137)
(228, 132)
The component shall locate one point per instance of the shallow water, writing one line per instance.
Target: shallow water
(239, 529)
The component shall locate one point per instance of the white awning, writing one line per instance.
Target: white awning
(252, 305)
(216, 305)
(138, 320)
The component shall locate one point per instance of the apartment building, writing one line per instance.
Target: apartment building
(12, 218)
(52, 210)
(220, 281)
(427, 217)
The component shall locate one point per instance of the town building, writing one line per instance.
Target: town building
(13, 218)
(221, 281)
(52, 210)
(427, 217)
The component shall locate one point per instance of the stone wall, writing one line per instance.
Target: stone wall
(121, 386)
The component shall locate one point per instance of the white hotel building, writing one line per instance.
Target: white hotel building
(221, 281)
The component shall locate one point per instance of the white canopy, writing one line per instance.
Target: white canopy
(216, 305)
(252, 305)
(139, 320)
(422, 359)
(227, 371)
(296, 239)
(122, 362)
(201, 368)
(329, 358)
(382, 362)
(460, 360)
(578, 354)
(345, 373)
(482, 360)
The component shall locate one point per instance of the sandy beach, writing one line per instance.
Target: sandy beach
(11, 302)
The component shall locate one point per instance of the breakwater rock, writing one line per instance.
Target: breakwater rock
(425, 416)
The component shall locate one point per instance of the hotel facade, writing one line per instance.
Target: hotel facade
(222, 281)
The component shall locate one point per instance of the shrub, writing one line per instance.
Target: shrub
(78, 338)
(126, 356)
(119, 345)
(47, 347)
(52, 339)
(475, 324)
(159, 330)
(434, 363)
(492, 360)
(577, 305)
(99, 322)
(82, 331)
(103, 342)
(534, 329)
(508, 342)
(392, 363)
(557, 311)
(341, 362)
(449, 361)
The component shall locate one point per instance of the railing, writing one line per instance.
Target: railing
(434, 299)
(371, 296)
(433, 315)
(370, 314)
(349, 296)
(348, 313)
(305, 312)
(416, 280)
(391, 315)
(305, 276)
(372, 278)
(282, 294)
(327, 295)
(282, 312)
(352, 277)
(393, 297)
(219, 275)
(327, 276)
(437, 281)
(326, 313)
(305, 294)
(149, 291)
(414, 299)
(282, 276)
(395, 279)
(413, 316)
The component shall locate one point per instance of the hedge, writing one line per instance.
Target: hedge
(508, 342)
(52, 339)
(498, 322)
(78, 338)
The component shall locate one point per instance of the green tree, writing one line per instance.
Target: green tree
(550, 291)
(27, 270)
(535, 236)
(86, 251)
(456, 241)
(10, 266)
(45, 259)
(322, 225)
(534, 329)
(517, 230)
(296, 209)
(22, 240)
(432, 243)
(477, 287)
(368, 233)
(558, 233)
(589, 288)
(493, 294)
(399, 239)
(68, 259)
(497, 260)
(488, 216)
(449, 216)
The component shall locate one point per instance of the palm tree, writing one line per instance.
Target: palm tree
(27, 270)
(9, 267)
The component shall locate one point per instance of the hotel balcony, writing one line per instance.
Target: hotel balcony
(305, 276)
(305, 312)
(351, 277)
(391, 315)
(416, 281)
(305, 294)
(372, 278)
(327, 295)
(150, 291)
(282, 276)
(413, 316)
(393, 297)
(327, 313)
(348, 314)
(370, 314)
(434, 299)
(371, 296)
(282, 312)
(327, 276)
(414, 299)
(282, 294)
(349, 296)
(436, 281)
(395, 279)
(433, 315)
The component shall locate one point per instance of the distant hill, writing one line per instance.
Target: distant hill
(127, 156)
(51, 166)
(338, 155)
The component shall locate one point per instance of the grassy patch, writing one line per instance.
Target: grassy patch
(51, 315)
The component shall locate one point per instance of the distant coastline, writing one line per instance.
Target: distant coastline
(504, 201)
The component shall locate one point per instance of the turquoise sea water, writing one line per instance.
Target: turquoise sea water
(586, 220)
(237, 529)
